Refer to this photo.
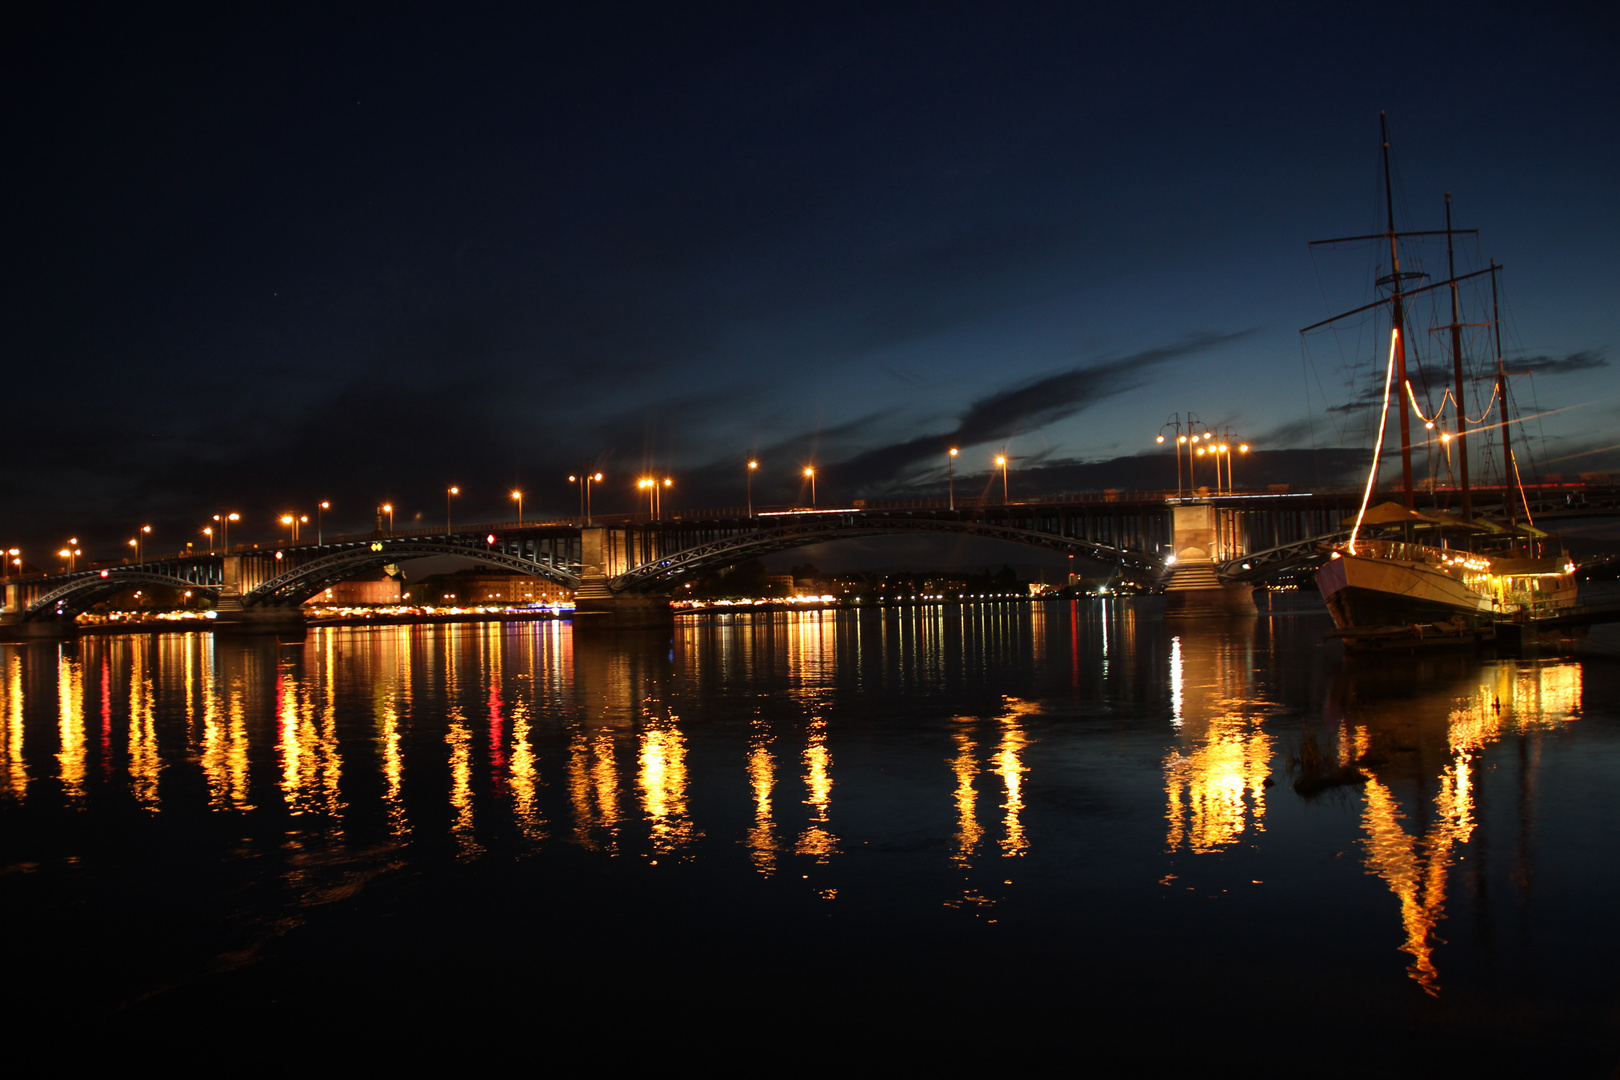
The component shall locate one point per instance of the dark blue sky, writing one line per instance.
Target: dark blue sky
(256, 260)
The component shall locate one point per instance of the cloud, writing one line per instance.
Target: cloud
(1029, 406)
(1585, 360)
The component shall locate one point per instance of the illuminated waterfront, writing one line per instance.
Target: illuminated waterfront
(1060, 821)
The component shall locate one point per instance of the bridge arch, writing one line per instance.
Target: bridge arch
(303, 580)
(665, 573)
(79, 593)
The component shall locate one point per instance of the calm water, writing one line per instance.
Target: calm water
(942, 834)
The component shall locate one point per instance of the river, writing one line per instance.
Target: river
(936, 835)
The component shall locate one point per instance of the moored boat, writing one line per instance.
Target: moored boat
(1407, 574)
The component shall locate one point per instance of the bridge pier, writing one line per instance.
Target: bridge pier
(1193, 590)
(231, 616)
(596, 607)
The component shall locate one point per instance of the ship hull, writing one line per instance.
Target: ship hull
(1363, 593)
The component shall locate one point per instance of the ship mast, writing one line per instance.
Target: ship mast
(1501, 397)
(1397, 301)
(1397, 317)
(1457, 370)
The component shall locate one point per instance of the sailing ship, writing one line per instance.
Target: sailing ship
(1407, 574)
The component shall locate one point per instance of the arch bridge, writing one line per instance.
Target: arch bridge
(630, 562)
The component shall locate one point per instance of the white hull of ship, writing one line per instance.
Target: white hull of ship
(1364, 592)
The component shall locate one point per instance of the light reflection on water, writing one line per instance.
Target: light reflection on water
(802, 737)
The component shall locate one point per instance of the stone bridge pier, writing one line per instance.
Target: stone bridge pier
(603, 556)
(240, 575)
(1204, 535)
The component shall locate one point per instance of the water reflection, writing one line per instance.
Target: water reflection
(357, 750)
(1216, 773)
(1410, 742)
(817, 839)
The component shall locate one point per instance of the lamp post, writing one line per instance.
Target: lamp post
(950, 474)
(655, 492)
(139, 536)
(208, 531)
(1001, 463)
(1175, 423)
(810, 471)
(752, 465)
(321, 506)
(452, 490)
(388, 508)
(11, 557)
(225, 529)
(71, 553)
(518, 495)
(585, 480)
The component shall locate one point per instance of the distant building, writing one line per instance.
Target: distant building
(355, 593)
(470, 589)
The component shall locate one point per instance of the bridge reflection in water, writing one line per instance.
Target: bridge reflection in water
(793, 740)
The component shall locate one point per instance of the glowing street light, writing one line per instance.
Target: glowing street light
(225, 529)
(1180, 440)
(950, 473)
(388, 508)
(71, 553)
(323, 505)
(1001, 463)
(752, 465)
(13, 559)
(655, 501)
(585, 480)
(136, 543)
(208, 531)
(452, 490)
(810, 471)
(518, 495)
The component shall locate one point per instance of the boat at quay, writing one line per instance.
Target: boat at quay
(1405, 575)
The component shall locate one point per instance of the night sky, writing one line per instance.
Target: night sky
(256, 259)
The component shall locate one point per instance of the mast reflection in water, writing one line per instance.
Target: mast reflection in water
(844, 809)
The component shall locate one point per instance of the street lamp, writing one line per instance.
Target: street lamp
(388, 508)
(13, 553)
(323, 505)
(752, 465)
(136, 543)
(518, 495)
(208, 531)
(451, 491)
(585, 480)
(71, 553)
(225, 529)
(950, 472)
(655, 501)
(1001, 463)
(810, 471)
(1180, 440)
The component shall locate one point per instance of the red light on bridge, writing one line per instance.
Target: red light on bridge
(490, 538)
(104, 573)
(278, 554)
